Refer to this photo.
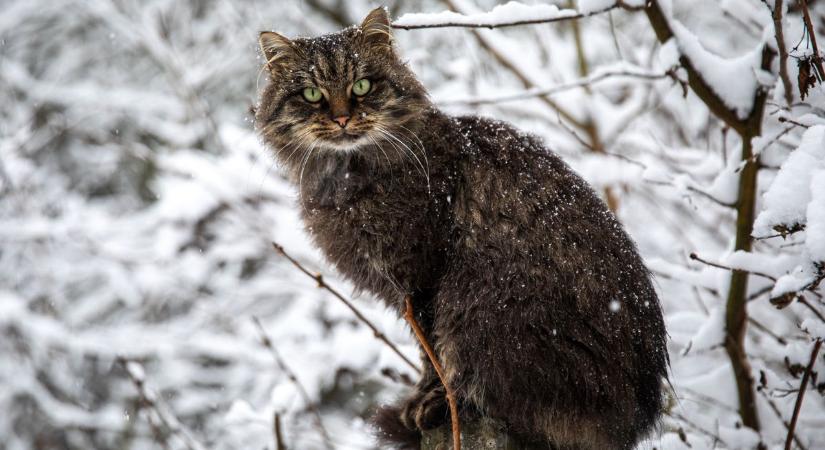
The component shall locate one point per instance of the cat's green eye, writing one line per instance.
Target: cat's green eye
(312, 94)
(361, 87)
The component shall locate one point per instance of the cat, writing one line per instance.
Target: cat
(534, 298)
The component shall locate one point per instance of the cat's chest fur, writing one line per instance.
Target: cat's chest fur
(382, 228)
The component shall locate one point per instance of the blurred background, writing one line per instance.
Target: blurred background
(138, 207)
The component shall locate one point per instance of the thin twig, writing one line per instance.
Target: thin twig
(290, 374)
(695, 427)
(806, 17)
(323, 285)
(776, 13)
(149, 399)
(785, 119)
(419, 333)
(542, 92)
(572, 15)
(276, 430)
(710, 197)
(696, 257)
(816, 312)
(801, 395)
(508, 63)
(766, 330)
(778, 413)
(337, 15)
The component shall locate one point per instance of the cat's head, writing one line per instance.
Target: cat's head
(338, 92)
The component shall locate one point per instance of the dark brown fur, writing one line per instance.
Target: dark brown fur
(534, 297)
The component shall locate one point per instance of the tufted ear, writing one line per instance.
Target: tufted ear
(275, 48)
(376, 27)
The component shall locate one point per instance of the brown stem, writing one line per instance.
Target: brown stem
(419, 334)
(323, 285)
(806, 16)
(783, 51)
(736, 313)
(276, 430)
(696, 257)
(778, 413)
(801, 394)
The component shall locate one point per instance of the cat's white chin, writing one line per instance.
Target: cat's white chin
(347, 145)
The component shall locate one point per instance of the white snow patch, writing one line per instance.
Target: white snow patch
(815, 213)
(795, 281)
(502, 14)
(787, 200)
(734, 80)
(592, 6)
(813, 326)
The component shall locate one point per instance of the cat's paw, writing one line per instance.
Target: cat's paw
(426, 410)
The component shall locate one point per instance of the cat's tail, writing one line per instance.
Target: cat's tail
(391, 431)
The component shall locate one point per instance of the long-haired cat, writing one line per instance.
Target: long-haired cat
(536, 301)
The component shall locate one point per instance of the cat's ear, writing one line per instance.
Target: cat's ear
(376, 27)
(276, 48)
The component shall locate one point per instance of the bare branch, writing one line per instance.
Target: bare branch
(336, 14)
(543, 92)
(816, 312)
(816, 59)
(276, 430)
(558, 16)
(150, 400)
(801, 395)
(697, 428)
(510, 65)
(778, 413)
(696, 257)
(768, 331)
(290, 374)
(776, 13)
(419, 333)
(323, 285)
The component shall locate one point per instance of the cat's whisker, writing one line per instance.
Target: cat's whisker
(404, 151)
(389, 163)
(303, 165)
(301, 138)
(401, 151)
(375, 143)
(425, 171)
(420, 146)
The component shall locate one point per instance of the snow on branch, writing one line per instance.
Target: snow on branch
(734, 80)
(790, 204)
(510, 14)
(795, 202)
(731, 88)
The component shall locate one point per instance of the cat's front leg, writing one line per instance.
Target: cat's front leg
(426, 408)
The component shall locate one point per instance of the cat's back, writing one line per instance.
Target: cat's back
(511, 176)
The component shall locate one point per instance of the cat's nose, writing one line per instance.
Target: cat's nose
(342, 120)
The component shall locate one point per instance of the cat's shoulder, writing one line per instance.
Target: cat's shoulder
(500, 141)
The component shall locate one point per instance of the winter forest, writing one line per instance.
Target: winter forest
(143, 304)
